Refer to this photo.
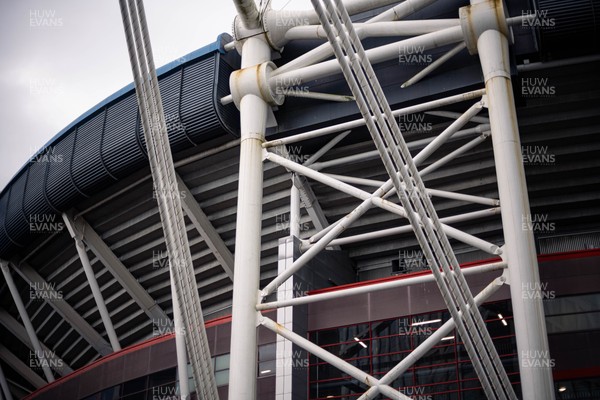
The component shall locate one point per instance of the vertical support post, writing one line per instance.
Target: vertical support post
(253, 119)
(530, 325)
(294, 209)
(26, 321)
(182, 372)
(91, 278)
(4, 385)
(291, 361)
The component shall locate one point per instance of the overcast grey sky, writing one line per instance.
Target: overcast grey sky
(59, 58)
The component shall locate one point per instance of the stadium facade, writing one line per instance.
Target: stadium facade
(79, 222)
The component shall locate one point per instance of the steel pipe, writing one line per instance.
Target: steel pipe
(328, 146)
(434, 65)
(400, 282)
(247, 13)
(182, 361)
(374, 154)
(4, 385)
(325, 51)
(97, 294)
(520, 252)
(324, 355)
(454, 154)
(294, 210)
(422, 349)
(378, 29)
(405, 229)
(253, 119)
(447, 133)
(360, 122)
(375, 55)
(377, 201)
(14, 291)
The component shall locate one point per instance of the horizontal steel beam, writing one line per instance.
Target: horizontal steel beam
(400, 282)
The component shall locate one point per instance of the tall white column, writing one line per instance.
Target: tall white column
(530, 326)
(253, 118)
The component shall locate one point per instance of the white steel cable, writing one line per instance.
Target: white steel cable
(169, 201)
(396, 158)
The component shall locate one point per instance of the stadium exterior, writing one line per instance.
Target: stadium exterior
(86, 305)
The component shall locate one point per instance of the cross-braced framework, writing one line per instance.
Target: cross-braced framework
(483, 29)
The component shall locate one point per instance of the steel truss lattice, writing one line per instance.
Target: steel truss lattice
(483, 30)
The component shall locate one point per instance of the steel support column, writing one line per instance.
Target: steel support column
(91, 278)
(4, 385)
(39, 352)
(253, 119)
(182, 359)
(20, 367)
(486, 33)
(67, 312)
(116, 267)
(528, 311)
(14, 327)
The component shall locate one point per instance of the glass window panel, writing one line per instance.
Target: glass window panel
(505, 346)
(266, 368)
(222, 377)
(438, 355)
(468, 372)
(386, 362)
(162, 377)
(572, 304)
(112, 393)
(438, 374)
(343, 334)
(405, 380)
(267, 352)
(162, 392)
(391, 344)
(191, 381)
(350, 350)
(588, 321)
(491, 310)
(135, 385)
(385, 328)
(500, 327)
(136, 396)
(427, 392)
(430, 319)
(336, 388)
(473, 394)
(222, 362)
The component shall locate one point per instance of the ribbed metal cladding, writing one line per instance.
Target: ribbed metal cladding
(89, 173)
(5, 243)
(229, 114)
(562, 243)
(568, 27)
(59, 183)
(108, 145)
(120, 149)
(170, 90)
(198, 113)
(16, 221)
(35, 202)
(4, 212)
